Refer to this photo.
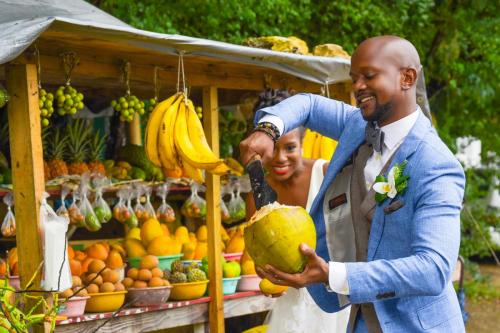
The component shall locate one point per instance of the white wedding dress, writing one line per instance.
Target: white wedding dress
(296, 311)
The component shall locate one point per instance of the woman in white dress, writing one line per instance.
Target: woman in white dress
(297, 180)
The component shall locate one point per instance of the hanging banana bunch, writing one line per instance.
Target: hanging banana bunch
(175, 140)
(315, 146)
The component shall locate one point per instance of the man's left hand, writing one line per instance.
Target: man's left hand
(316, 271)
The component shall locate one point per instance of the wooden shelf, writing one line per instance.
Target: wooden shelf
(168, 315)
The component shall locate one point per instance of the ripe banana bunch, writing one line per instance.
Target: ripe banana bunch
(175, 140)
(317, 146)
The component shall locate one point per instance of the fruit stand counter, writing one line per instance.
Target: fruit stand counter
(168, 315)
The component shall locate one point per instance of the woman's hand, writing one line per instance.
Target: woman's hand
(257, 143)
(316, 271)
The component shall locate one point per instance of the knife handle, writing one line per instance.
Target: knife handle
(255, 157)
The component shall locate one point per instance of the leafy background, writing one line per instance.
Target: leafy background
(458, 42)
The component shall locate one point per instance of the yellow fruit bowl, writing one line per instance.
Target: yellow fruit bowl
(105, 302)
(188, 290)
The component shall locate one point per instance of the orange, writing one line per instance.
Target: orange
(109, 275)
(12, 257)
(107, 287)
(149, 262)
(3, 267)
(71, 253)
(77, 282)
(144, 275)
(155, 282)
(93, 278)
(93, 288)
(140, 284)
(14, 270)
(96, 266)
(97, 251)
(65, 294)
(85, 264)
(119, 286)
(80, 256)
(76, 267)
(114, 260)
(128, 282)
(132, 273)
(157, 272)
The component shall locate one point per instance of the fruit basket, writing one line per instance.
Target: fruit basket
(148, 296)
(105, 302)
(188, 290)
(249, 283)
(233, 256)
(74, 306)
(164, 261)
(229, 285)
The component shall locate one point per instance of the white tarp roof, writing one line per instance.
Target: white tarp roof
(23, 21)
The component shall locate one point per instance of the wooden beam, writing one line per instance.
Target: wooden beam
(211, 126)
(27, 169)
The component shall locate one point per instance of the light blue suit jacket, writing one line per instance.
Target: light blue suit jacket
(412, 251)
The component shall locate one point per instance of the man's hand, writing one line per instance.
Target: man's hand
(257, 143)
(316, 271)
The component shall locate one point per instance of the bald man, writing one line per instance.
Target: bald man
(387, 241)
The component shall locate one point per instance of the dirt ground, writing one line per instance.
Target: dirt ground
(485, 314)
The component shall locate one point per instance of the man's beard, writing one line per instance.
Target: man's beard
(382, 111)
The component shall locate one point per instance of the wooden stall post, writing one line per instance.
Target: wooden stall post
(211, 125)
(27, 168)
(135, 130)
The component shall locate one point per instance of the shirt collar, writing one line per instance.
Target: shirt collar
(395, 132)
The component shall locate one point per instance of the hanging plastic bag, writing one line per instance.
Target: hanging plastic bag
(62, 210)
(91, 221)
(195, 206)
(165, 213)
(120, 211)
(56, 270)
(139, 209)
(9, 221)
(132, 221)
(236, 206)
(75, 215)
(100, 206)
(224, 212)
(148, 207)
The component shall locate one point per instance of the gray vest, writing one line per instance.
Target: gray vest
(348, 211)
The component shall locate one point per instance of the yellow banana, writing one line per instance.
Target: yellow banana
(192, 172)
(166, 147)
(327, 148)
(186, 149)
(316, 151)
(153, 128)
(307, 143)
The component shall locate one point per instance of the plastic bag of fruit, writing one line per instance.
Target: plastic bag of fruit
(62, 210)
(56, 272)
(139, 209)
(132, 220)
(120, 211)
(195, 206)
(9, 221)
(224, 212)
(165, 213)
(148, 207)
(75, 215)
(92, 223)
(100, 206)
(236, 206)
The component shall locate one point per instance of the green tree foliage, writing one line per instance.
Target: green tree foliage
(458, 42)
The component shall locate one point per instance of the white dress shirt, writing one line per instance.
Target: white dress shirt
(394, 134)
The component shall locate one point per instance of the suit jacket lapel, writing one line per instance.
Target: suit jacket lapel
(407, 148)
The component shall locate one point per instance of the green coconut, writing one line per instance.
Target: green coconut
(274, 234)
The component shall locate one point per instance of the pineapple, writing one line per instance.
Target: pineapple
(97, 146)
(56, 149)
(78, 141)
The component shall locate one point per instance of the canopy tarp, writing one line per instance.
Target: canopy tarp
(23, 21)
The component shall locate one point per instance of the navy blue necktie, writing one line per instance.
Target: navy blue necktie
(374, 136)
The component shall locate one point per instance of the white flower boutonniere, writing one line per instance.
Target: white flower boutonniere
(395, 183)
